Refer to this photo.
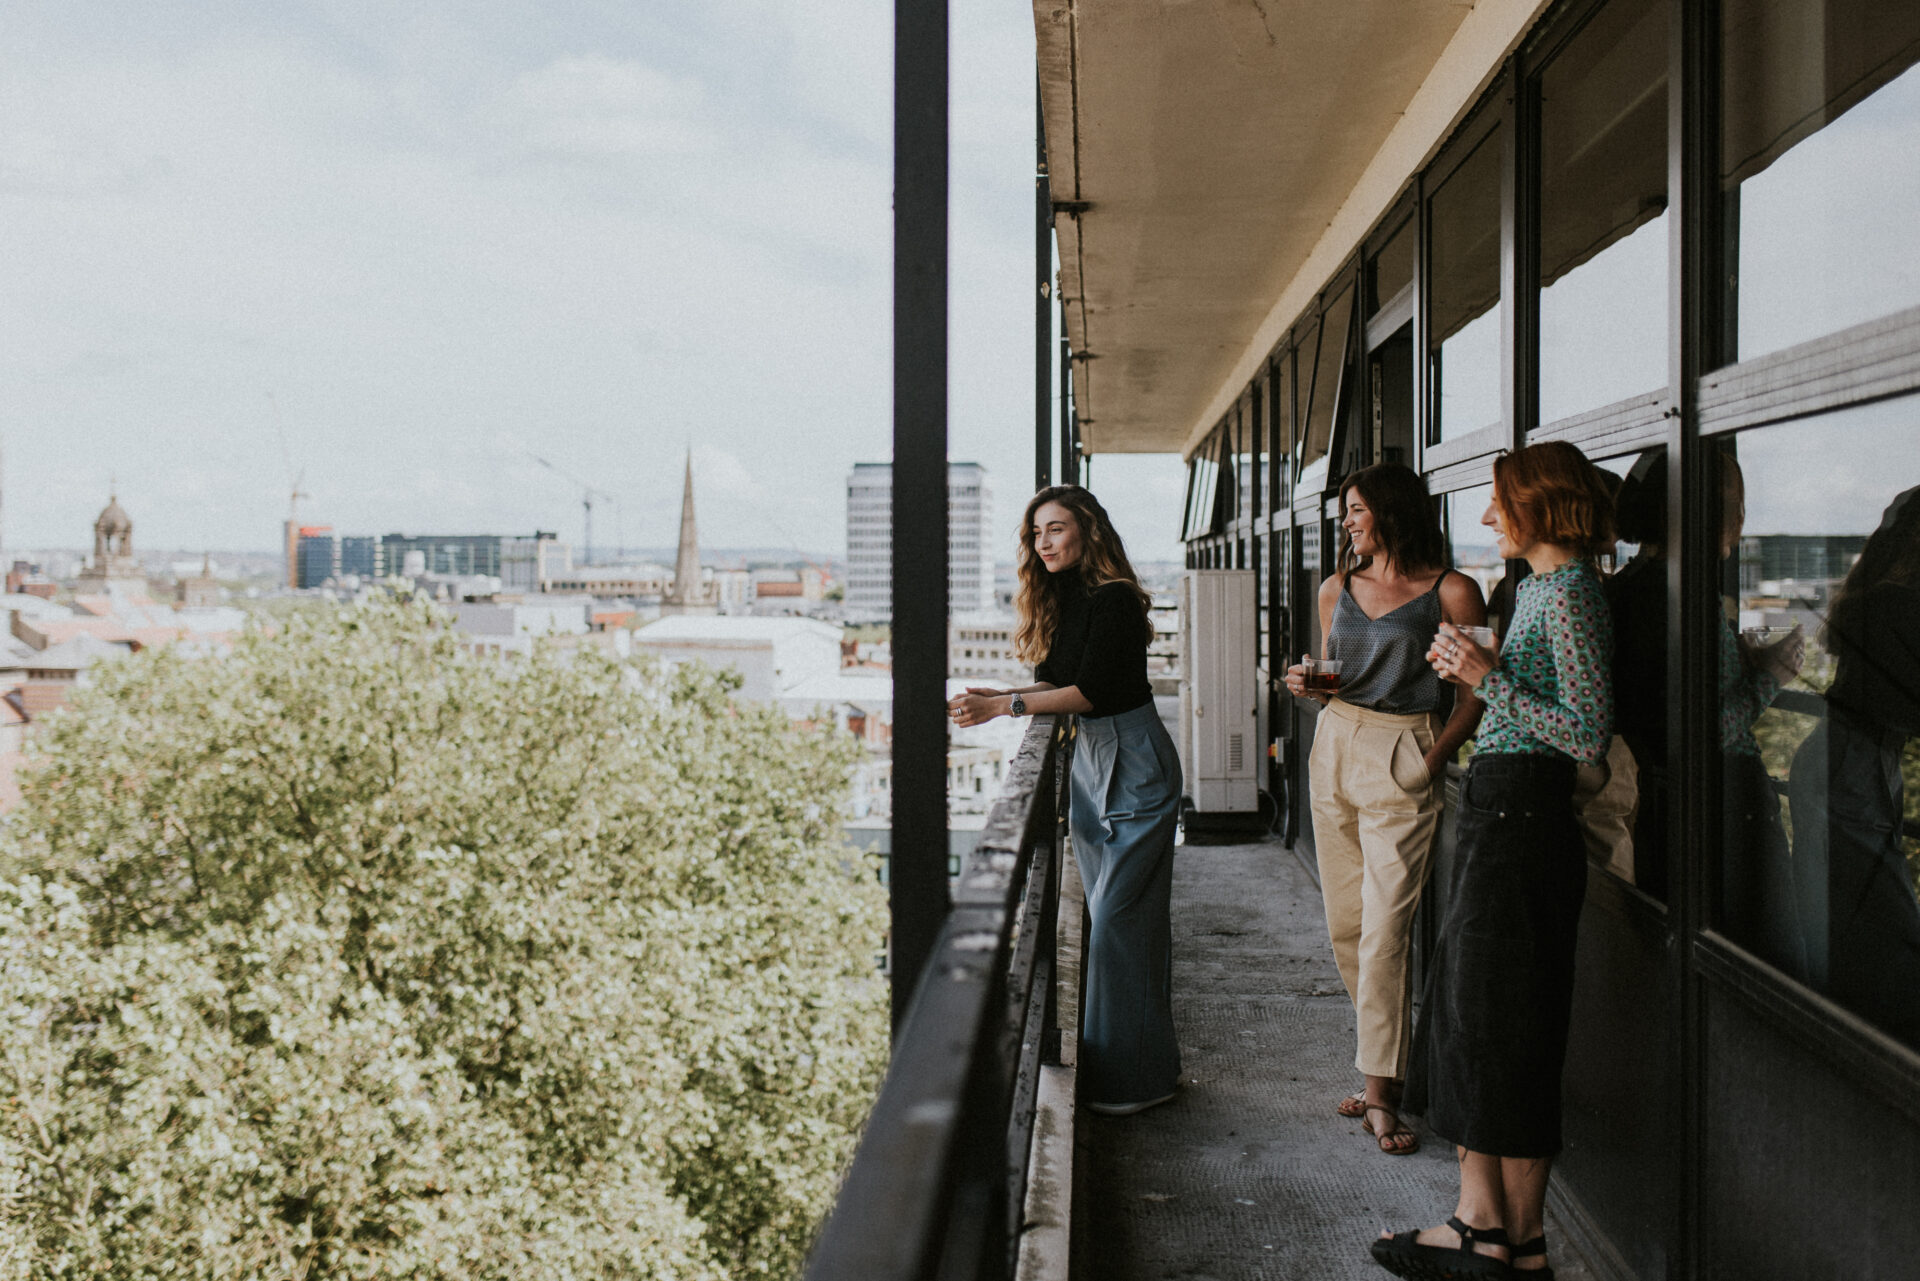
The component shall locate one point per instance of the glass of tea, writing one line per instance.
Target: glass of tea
(1481, 636)
(1323, 675)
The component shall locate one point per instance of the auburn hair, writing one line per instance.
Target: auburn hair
(1551, 493)
(1037, 602)
(1404, 521)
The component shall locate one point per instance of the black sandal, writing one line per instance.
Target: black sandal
(1528, 1249)
(1403, 1256)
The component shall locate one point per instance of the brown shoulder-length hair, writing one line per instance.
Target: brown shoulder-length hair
(1404, 521)
(1102, 560)
(1550, 493)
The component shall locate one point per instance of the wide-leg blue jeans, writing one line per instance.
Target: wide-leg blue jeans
(1125, 805)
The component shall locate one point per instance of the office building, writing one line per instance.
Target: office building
(460, 555)
(360, 555)
(529, 562)
(972, 538)
(317, 556)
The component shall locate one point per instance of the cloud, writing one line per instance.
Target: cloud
(441, 235)
(595, 106)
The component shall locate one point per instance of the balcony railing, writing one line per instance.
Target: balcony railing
(938, 1184)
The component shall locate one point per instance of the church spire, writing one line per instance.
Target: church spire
(688, 595)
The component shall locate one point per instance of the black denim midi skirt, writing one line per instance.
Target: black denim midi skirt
(1492, 1035)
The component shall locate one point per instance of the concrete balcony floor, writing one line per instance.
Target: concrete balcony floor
(1249, 1173)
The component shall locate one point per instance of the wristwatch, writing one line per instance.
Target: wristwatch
(1018, 707)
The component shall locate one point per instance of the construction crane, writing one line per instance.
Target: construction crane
(294, 495)
(587, 494)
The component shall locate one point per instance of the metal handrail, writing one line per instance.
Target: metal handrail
(936, 1186)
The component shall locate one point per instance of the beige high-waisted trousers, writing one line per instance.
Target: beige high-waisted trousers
(1375, 815)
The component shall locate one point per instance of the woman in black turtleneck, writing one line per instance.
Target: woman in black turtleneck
(1083, 623)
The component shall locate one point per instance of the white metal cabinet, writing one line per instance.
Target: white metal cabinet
(1219, 699)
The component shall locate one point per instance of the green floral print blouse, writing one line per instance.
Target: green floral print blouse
(1552, 688)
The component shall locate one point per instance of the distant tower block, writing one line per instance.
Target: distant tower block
(690, 594)
(114, 570)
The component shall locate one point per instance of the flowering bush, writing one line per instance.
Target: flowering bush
(357, 955)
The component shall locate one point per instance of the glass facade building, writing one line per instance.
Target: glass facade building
(360, 554)
(1679, 235)
(317, 556)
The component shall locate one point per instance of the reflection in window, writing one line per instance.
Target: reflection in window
(1821, 122)
(1820, 681)
(1328, 366)
(1603, 201)
(1464, 280)
(1630, 806)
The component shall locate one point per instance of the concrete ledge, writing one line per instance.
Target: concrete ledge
(1046, 1229)
(1046, 1234)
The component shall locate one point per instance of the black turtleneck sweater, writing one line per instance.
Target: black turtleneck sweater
(1099, 646)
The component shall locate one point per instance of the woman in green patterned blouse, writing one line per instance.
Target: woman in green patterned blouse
(1488, 1054)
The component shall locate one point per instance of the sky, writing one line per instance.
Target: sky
(422, 244)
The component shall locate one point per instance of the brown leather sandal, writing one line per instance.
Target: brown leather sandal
(1354, 1106)
(1405, 1141)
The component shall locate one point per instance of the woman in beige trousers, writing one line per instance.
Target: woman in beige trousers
(1379, 758)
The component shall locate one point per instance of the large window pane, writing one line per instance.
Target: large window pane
(1603, 201)
(1261, 426)
(1390, 399)
(1820, 157)
(1280, 412)
(1240, 430)
(1329, 365)
(1820, 704)
(1392, 268)
(1464, 279)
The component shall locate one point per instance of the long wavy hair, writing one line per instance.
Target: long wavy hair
(1103, 560)
(1404, 522)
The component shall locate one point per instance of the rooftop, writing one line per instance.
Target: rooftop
(732, 629)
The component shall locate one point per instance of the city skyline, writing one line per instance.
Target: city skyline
(421, 245)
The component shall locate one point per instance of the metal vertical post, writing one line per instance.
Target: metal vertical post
(1068, 472)
(1042, 300)
(1697, 331)
(918, 876)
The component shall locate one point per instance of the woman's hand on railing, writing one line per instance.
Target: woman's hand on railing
(977, 706)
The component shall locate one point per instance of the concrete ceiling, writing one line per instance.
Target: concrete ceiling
(1221, 147)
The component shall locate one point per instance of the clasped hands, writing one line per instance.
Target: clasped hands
(980, 704)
